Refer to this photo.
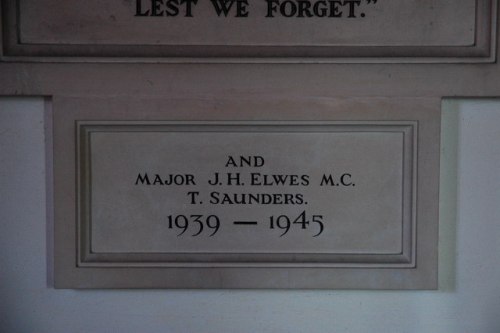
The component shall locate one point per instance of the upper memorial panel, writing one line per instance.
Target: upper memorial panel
(326, 30)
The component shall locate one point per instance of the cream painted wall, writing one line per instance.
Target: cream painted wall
(468, 299)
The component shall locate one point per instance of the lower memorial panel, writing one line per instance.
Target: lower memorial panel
(270, 194)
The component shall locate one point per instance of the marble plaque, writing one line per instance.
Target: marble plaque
(345, 197)
(330, 193)
(366, 30)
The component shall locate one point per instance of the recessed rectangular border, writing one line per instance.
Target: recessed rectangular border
(482, 51)
(87, 258)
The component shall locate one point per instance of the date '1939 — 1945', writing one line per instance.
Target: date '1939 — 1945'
(211, 224)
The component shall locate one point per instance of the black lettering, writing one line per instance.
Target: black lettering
(226, 199)
(245, 161)
(255, 179)
(222, 6)
(290, 11)
(215, 181)
(327, 181)
(299, 199)
(304, 8)
(318, 8)
(271, 7)
(155, 7)
(233, 178)
(138, 9)
(172, 8)
(214, 198)
(241, 8)
(193, 196)
(158, 180)
(352, 6)
(190, 180)
(230, 162)
(335, 8)
(189, 7)
(294, 180)
(142, 179)
(279, 179)
(258, 161)
(253, 198)
(346, 182)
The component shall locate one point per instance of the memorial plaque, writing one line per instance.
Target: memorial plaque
(318, 30)
(252, 191)
(181, 202)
